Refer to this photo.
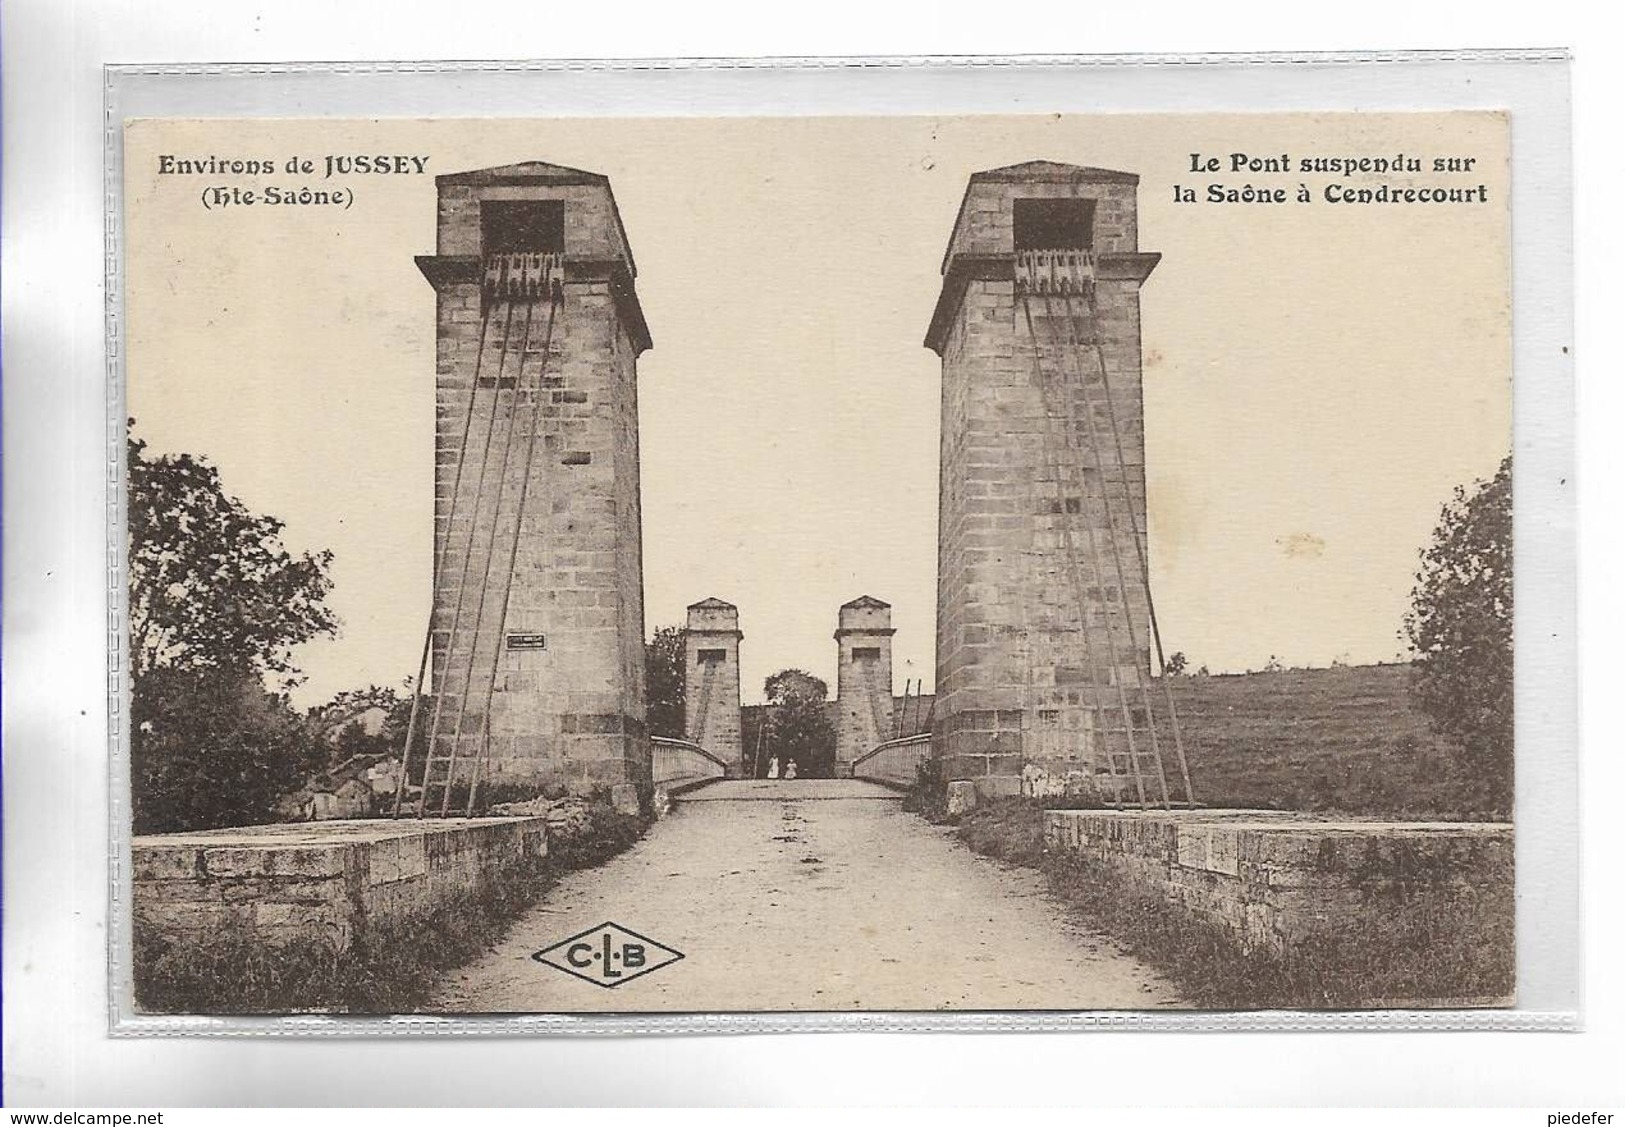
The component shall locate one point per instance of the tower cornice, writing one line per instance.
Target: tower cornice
(963, 269)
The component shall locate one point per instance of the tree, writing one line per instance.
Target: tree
(798, 728)
(353, 741)
(753, 738)
(1460, 627)
(395, 728)
(664, 664)
(216, 605)
(211, 585)
(363, 727)
(211, 747)
(346, 708)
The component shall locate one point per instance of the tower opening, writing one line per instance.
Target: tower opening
(521, 227)
(1054, 224)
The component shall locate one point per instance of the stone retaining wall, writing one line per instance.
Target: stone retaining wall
(1276, 879)
(332, 879)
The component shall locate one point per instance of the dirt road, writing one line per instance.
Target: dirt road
(810, 895)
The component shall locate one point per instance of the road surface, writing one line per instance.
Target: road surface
(810, 895)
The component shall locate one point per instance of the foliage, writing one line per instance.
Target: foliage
(664, 678)
(798, 728)
(211, 747)
(605, 833)
(211, 586)
(216, 605)
(753, 721)
(1351, 740)
(347, 708)
(1460, 625)
(1416, 951)
(795, 686)
(355, 743)
(342, 722)
(392, 967)
(1175, 664)
(929, 795)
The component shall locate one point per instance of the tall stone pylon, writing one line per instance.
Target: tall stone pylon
(711, 702)
(536, 637)
(1043, 616)
(863, 689)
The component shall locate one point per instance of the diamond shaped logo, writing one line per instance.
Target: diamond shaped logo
(608, 955)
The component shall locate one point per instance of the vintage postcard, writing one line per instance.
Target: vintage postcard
(725, 565)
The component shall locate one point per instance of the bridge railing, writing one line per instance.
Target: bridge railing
(683, 762)
(896, 761)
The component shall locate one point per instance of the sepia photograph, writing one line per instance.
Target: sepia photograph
(686, 565)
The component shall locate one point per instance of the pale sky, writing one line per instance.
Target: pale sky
(1318, 377)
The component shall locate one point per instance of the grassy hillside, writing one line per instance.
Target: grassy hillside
(1347, 739)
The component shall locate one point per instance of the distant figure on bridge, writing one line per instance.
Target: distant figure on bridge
(773, 767)
(790, 770)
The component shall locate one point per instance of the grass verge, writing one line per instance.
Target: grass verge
(1417, 954)
(1348, 739)
(389, 968)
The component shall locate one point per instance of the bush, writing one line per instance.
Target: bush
(1460, 625)
(798, 726)
(390, 968)
(664, 664)
(606, 833)
(929, 795)
(1419, 953)
(210, 748)
(1011, 829)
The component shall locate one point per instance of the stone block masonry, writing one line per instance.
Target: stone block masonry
(552, 690)
(712, 716)
(1043, 612)
(330, 879)
(863, 672)
(1279, 880)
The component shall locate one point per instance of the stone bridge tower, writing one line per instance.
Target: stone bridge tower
(863, 689)
(711, 709)
(1043, 617)
(537, 627)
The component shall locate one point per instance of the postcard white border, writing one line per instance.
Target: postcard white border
(1532, 85)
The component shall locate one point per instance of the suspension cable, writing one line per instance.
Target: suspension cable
(462, 581)
(555, 299)
(874, 710)
(707, 679)
(1139, 547)
(1032, 559)
(490, 553)
(439, 566)
(1111, 532)
(1100, 575)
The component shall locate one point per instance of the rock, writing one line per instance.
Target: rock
(528, 809)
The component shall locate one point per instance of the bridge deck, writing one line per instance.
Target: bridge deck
(810, 895)
(789, 790)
